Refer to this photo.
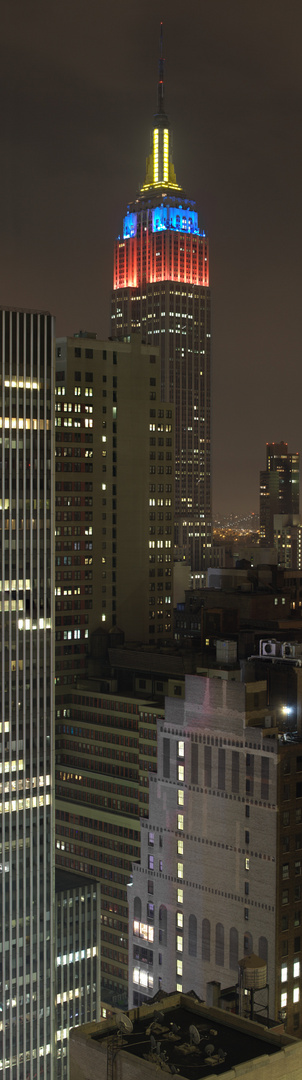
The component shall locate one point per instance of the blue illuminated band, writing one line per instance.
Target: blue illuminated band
(166, 217)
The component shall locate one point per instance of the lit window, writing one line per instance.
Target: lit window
(180, 798)
(180, 871)
(247, 864)
(180, 896)
(179, 967)
(296, 994)
(283, 1001)
(180, 920)
(179, 987)
(296, 969)
(180, 773)
(181, 749)
(180, 822)
(180, 847)
(179, 943)
(284, 973)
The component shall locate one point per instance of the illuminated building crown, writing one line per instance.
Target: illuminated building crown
(161, 238)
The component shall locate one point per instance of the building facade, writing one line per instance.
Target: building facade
(220, 869)
(78, 959)
(279, 489)
(114, 497)
(105, 754)
(26, 727)
(161, 289)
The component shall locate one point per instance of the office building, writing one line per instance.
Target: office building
(105, 753)
(161, 289)
(114, 497)
(221, 853)
(26, 727)
(78, 959)
(279, 489)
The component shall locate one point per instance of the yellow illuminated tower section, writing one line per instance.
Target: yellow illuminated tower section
(161, 290)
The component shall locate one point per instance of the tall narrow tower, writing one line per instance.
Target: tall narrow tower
(26, 721)
(161, 290)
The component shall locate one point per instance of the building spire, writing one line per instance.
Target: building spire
(160, 89)
(160, 169)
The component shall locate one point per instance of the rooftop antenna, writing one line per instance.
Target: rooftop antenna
(160, 93)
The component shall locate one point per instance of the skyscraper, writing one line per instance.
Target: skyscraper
(161, 289)
(26, 723)
(114, 497)
(279, 488)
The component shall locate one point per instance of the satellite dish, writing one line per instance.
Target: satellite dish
(124, 1023)
(194, 1035)
(209, 1049)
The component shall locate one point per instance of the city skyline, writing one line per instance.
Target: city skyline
(79, 95)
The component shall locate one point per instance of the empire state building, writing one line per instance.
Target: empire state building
(161, 290)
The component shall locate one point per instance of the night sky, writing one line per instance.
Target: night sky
(78, 93)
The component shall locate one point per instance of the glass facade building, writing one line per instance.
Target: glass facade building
(26, 722)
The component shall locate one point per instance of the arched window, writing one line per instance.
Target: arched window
(263, 948)
(192, 935)
(219, 944)
(137, 908)
(248, 944)
(163, 925)
(233, 948)
(206, 940)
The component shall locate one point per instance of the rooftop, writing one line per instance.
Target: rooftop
(180, 1035)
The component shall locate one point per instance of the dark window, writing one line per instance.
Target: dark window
(247, 942)
(163, 925)
(192, 935)
(235, 771)
(219, 945)
(166, 758)
(206, 940)
(265, 778)
(221, 769)
(297, 944)
(194, 763)
(249, 783)
(137, 908)
(207, 766)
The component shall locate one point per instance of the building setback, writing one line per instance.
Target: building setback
(161, 289)
(26, 724)
(220, 869)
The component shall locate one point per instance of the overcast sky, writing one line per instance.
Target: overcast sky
(78, 93)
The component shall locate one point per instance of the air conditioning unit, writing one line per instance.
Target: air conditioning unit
(287, 649)
(269, 648)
